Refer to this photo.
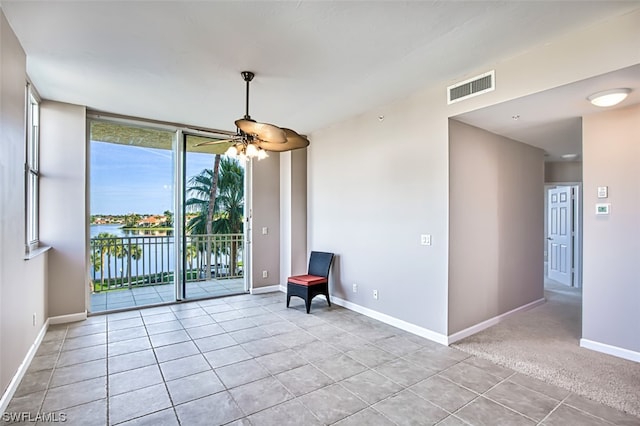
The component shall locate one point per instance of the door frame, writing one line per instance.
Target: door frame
(576, 221)
(179, 228)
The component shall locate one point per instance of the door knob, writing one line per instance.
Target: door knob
(549, 238)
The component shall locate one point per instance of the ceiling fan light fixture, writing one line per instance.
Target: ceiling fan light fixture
(251, 151)
(609, 98)
(262, 154)
(232, 152)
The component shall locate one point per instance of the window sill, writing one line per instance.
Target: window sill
(37, 252)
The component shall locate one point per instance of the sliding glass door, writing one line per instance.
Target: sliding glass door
(213, 203)
(131, 224)
(167, 216)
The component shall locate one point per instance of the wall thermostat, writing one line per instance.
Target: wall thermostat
(603, 208)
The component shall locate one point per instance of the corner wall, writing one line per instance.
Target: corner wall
(293, 213)
(23, 283)
(496, 219)
(265, 213)
(611, 282)
(63, 205)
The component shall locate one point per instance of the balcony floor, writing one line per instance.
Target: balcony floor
(155, 294)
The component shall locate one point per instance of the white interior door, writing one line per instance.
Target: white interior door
(560, 238)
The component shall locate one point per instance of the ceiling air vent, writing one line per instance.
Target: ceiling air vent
(472, 87)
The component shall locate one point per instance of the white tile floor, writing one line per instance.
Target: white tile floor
(248, 360)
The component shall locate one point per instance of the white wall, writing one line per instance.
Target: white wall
(563, 171)
(611, 283)
(374, 188)
(63, 204)
(495, 225)
(265, 204)
(22, 282)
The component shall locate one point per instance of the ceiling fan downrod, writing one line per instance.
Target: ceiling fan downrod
(247, 76)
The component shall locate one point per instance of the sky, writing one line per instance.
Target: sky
(128, 179)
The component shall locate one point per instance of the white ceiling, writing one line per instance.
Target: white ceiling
(316, 62)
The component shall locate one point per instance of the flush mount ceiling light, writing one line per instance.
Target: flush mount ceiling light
(253, 139)
(609, 98)
(570, 156)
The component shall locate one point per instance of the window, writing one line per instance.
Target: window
(32, 174)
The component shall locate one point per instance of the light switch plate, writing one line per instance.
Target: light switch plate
(603, 191)
(425, 239)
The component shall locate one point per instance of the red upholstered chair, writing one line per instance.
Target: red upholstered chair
(315, 282)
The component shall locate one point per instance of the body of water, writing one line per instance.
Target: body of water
(111, 229)
(117, 231)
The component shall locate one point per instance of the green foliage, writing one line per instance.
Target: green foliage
(229, 205)
(169, 219)
(131, 220)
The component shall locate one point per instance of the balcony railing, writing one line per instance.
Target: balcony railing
(136, 261)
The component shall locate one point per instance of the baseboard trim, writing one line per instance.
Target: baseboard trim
(610, 350)
(491, 321)
(63, 319)
(395, 322)
(22, 369)
(267, 289)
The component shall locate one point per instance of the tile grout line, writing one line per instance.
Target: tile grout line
(583, 411)
(53, 370)
(164, 381)
(553, 410)
(484, 395)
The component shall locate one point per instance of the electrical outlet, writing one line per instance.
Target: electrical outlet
(375, 294)
(265, 274)
(425, 239)
(355, 288)
(265, 230)
(34, 319)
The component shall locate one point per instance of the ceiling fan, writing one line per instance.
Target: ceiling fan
(253, 139)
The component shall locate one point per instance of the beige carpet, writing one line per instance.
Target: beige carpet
(543, 342)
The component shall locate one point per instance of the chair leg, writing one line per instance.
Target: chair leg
(307, 302)
(288, 299)
(328, 300)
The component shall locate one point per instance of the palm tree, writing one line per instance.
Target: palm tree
(218, 197)
(204, 188)
(191, 254)
(104, 245)
(129, 252)
(96, 262)
(230, 204)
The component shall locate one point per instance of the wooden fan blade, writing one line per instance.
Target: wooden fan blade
(216, 142)
(263, 131)
(208, 145)
(294, 141)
